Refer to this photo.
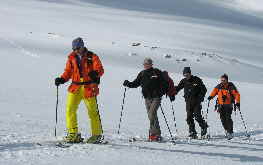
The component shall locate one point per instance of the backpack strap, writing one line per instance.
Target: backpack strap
(90, 56)
(230, 86)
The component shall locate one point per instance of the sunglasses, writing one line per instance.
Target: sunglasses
(145, 64)
(79, 48)
(187, 74)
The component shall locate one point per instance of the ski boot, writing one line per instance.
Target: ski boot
(193, 135)
(203, 131)
(73, 138)
(95, 139)
(155, 138)
(204, 134)
(229, 136)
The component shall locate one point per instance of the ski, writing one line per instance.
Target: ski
(62, 144)
(205, 137)
(217, 138)
(135, 139)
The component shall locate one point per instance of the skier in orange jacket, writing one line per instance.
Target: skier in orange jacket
(227, 96)
(84, 68)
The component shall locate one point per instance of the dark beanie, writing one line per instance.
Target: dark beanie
(187, 70)
(225, 76)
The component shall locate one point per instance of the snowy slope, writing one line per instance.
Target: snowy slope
(35, 38)
(201, 9)
(253, 7)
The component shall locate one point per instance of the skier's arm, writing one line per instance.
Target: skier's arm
(180, 86)
(67, 71)
(97, 65)
(203, 89)
(172, 91)
(236, 94)
(136, 83)
(214, 92)
(163, 81)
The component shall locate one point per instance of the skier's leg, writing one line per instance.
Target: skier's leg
(73, 100)
(222, 112)
(190, 117)
(229, 121)
(148, 106)
(152, 106)
(93, 113)
(198, 116)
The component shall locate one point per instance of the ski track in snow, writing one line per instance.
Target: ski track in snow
(16, 147)
(21, 48)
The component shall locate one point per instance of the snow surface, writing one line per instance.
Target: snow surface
(251, 6)
(211, 37)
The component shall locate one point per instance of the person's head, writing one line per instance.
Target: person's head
(224, 79)
(78, 46)
(147, 63)
(187, 72)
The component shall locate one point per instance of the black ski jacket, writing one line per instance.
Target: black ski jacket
(152, 82)
(194, 88)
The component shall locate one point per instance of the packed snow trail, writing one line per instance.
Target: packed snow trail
(18, 148)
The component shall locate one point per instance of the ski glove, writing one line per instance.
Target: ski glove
(125, 83)
(172, 98)
(210, 98)
(93, 75)
(59, 81)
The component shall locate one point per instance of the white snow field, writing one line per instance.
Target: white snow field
(213, 37)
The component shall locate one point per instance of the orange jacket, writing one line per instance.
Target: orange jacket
(72, 72)
(226, 93)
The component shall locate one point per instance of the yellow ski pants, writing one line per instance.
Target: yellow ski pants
(73, 101)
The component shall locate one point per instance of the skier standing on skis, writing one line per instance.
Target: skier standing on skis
(152, 82)
(227, 96)
(84, 68)
(194, 93)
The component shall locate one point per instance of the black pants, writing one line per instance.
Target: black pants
(193, 109)
(225, 112)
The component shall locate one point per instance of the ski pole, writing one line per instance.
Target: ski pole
(98, 111)
(206, 118)
(166, 122)
(99, 116)
(202, 111)
(174, 117)
(244, 124)
(56, 114)
(235, 109)
(206, 115)
(122, 107)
